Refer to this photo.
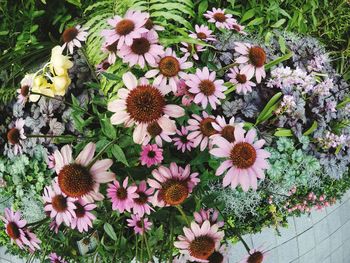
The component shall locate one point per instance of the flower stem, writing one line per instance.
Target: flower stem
(147, 246)
(101, 152)
(38, 222)
(93, 72)
(244, 243)
(170, 257)
(183, 214)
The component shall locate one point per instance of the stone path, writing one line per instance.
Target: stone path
(324, 237)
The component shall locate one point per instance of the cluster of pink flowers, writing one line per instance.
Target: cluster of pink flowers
(310, 201)
(331, 140)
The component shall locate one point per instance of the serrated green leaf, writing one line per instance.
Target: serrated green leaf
(248, 15)
(110, 231)
(118, 153)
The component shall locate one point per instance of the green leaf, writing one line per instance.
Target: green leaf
(110, 231)
(282, 43)
(118, 153)
(108, 129)
(202, 7)
(74, 2)
(279, 23)
(282, 132)
(279, 60)
(110, 76)
(176, 18)
(266, 113)
(248, 15)
(256, 21)
(311, 129)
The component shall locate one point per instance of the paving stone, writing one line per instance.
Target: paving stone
(337, 256)
(334, 221)
(287, 233)
(336, 240)
(322, 250)
(309, 257)
(302, 223)
(321, 230)
(318, 215)
(288, 251)
(306, 241)
(266, 239)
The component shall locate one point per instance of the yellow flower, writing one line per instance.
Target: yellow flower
(40, 85)
(59, 63)
(60, 84)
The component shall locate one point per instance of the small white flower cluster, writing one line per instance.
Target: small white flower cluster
(331, 140)
(323, 88)
(318, 63)
(287, 105)
(285, 77)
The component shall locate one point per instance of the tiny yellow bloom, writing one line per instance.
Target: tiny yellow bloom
(40, 85)
(60, 84)
(59, 63)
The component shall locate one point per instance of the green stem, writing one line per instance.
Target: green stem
(244, 243)
(93, 72)
(101, 152)
(147, 246)
(38, 222)
(170, 257)
(227, 67)
(183, 214)
(49, 136)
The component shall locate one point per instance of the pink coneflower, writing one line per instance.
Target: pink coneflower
(60, 207)
(141, 203)
(191, 50)
(33, 241)
(76, 178)
(239, 29)
(246, 160)
(206, 88)
(202, 32)
(254, 58)
(83, 217)
(220, 255)
(168, 69)
(224, 129)
(201, 129)
(151, 155)
(182, 90)
(15, 136)
(154, 131)
(181, 141)
(73, 36)
(210, 214)
(103, 66)
(140, 225)
(15, 227)
(54, 258)
(242, 81)
(141, 104)
(199, 242)
(254, 256)
(24, 90)
(152, 26)
(125, 29)
(173, 185)
(122, 196)
(53, 226)
(111, 50)
(143, 49)
(51, 161)
(220, 19)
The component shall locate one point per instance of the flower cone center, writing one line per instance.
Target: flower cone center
(13, 136)
(59, 203)
(145, 104)
(174, 192)
(13, 230)
(201, 35)
(220, 17)
(149, 24)
(207, 87)
(140, 46)
(169, 66)
(216, 257)
(257, 56)
(75, 180)
(228, 133)
(25, 90)
(243, 155)
(256, 257)
(241, 78)
(142, 199)
(69, 34)
(113, 47)
(122, 193)
(154, 129)
(79, 210)
(124, 27)
(206, 127)
(202, 247)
